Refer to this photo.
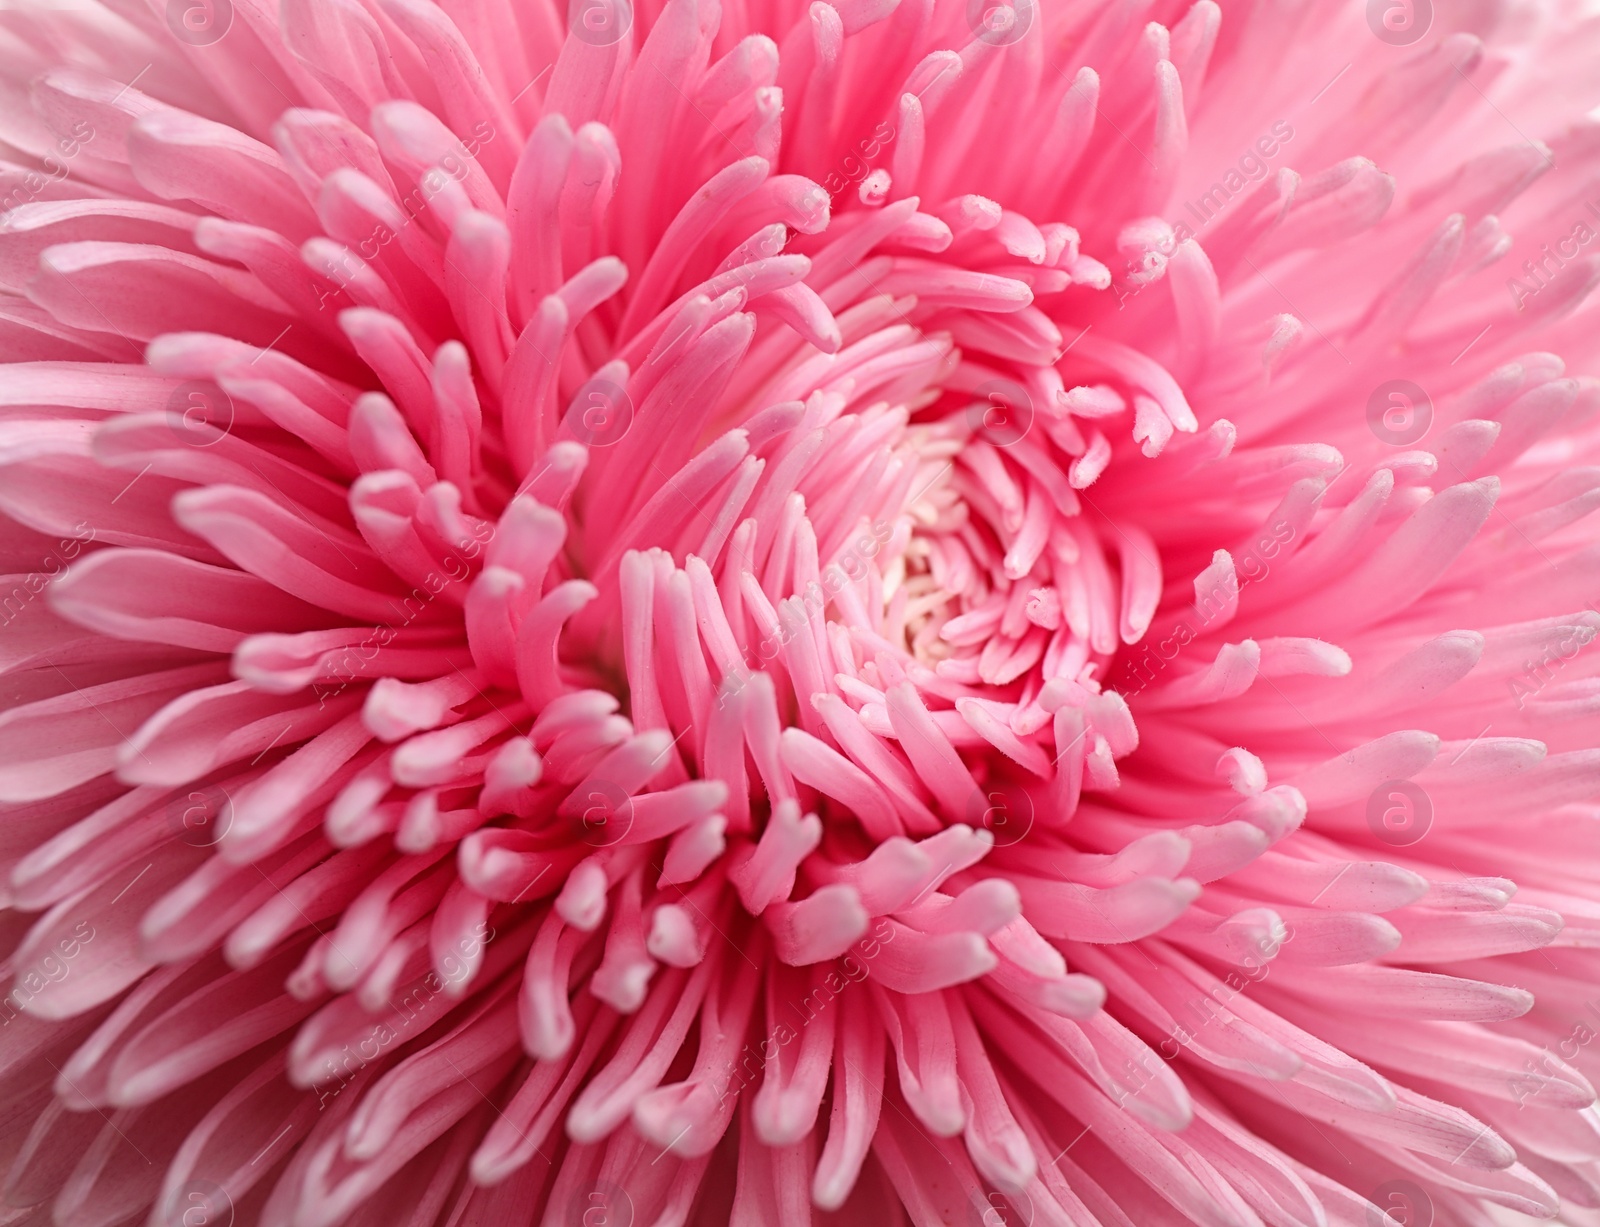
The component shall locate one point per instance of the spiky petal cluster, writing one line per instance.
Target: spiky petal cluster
(717, 613)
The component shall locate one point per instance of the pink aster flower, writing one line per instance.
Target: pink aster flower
(883, 612)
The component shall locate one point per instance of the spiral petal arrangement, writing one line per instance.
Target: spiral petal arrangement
(894, 612)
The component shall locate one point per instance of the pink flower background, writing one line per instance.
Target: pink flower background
(877, 612)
